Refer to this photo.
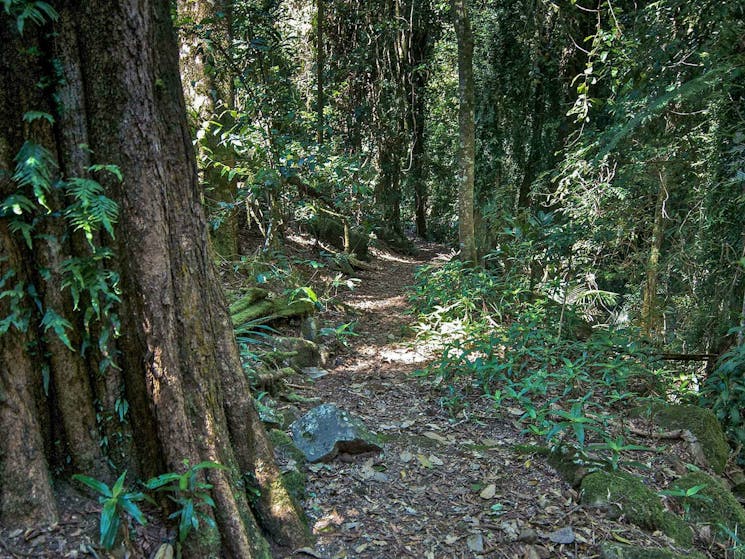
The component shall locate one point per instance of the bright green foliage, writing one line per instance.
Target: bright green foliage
(190, 494)
(116, 503)
(504, 341)
(724, 394)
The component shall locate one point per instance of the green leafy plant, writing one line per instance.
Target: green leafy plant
(116, 504)
(340, 333)
(574, 422)
(616, 447)
(189, 493)
(724, 393)
(687, 496)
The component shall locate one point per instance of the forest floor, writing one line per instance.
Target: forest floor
(444, 487)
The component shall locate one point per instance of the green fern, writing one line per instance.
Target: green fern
(35, 167)
(91, 210)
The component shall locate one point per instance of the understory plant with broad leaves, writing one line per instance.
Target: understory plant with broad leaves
(523, 350)
(117, 505)
(189, 493)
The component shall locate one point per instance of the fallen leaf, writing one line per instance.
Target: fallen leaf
(450, 540)
(361, 548)
(488, 492)
(435, 437)
(165, 551)
(308, 551)
(424, 461)
(619, 538)
(435, 460)
(531, 553)
(405, 456)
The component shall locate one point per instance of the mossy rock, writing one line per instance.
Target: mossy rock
(268, 308)
(285, 308)
(300, 352)
(259, 309)
(623, 493)
(612, 550)
(704, 426)
(246, 298)
(714, 504)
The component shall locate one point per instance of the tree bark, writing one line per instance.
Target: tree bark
(179, 367)
(650, 317)
(207, 34)
(320, 63)
(467, 133)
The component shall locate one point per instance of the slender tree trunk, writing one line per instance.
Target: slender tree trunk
(650, 318)
(209, 95)
(467, 127)
(420, 48)
(179, 367)
(320, 63)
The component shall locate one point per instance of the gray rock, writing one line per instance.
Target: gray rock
(326, 430)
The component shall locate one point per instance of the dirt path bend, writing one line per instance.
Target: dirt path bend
(444, 487)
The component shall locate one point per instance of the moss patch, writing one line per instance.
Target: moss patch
(295, 484)
(625, 494)
(703, 424)
(716, 507)
(284, 446)
(609, 550)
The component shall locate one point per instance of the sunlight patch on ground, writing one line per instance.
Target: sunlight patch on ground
(369, 358)
(371, 303)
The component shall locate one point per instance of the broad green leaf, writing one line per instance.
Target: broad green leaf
(94, 484)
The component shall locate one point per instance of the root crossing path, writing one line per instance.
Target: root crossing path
(444, 487)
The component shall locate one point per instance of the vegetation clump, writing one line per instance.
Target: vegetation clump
(623, 493)
(706, 500)
(704, 426)
(612, 550)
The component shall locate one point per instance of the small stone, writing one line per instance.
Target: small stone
(314, 373)
(528, 535)
(475, 543)
(563, 536)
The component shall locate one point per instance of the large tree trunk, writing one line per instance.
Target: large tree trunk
(119, 93)
(467, 127)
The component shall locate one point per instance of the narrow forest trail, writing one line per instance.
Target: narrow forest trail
(444, 487)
